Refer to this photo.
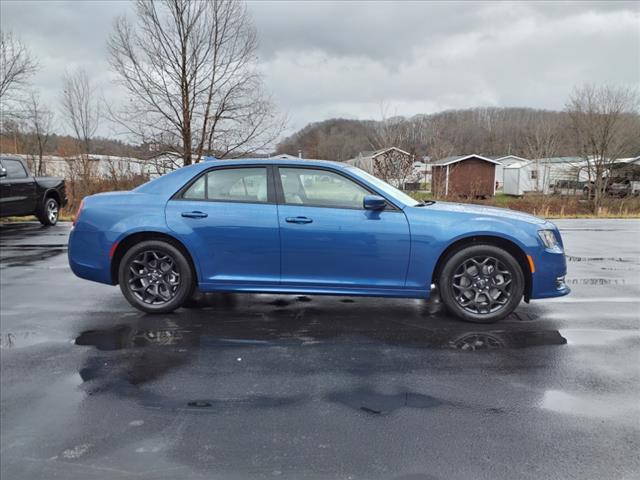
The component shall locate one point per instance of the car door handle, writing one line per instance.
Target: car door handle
(194, 214)
(298, 220)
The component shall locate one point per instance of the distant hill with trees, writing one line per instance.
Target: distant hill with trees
(524, 132)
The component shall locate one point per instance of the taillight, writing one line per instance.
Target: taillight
(75, 219)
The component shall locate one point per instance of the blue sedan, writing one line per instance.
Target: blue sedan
(314, 227)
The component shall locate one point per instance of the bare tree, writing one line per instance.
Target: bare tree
(82, 113)
(393, 166)
(542, 141)
(39, 120)
(189, 70)
(17, 65)
(605, 123)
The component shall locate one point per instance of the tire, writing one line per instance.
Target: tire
(155, 276)
(481, 283)
(48, 214)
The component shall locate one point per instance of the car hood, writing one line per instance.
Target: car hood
(483, 211)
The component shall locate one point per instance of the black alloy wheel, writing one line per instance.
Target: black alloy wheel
(481, 283)
(155, 276)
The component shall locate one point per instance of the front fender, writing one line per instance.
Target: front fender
(433, 233)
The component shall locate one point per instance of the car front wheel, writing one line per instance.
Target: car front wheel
(155, 276)
(481, 283)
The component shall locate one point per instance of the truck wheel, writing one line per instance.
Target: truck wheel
(481, 283)
(155, 277)
(50, 211)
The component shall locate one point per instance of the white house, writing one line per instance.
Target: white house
(102, 166)
(566, 170)
(421, 171)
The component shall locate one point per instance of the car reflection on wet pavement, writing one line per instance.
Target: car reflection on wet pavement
(254, 386)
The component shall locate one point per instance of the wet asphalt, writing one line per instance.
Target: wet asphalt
(267, 386)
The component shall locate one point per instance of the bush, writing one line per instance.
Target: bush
(553, 205)
(78, 189)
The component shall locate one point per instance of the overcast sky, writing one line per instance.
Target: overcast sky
(345, 59)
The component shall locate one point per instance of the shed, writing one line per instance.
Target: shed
(526, 176)
(465, 176)
(505, 161)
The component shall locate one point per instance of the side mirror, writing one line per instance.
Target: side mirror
(3, 172)
(374, 202)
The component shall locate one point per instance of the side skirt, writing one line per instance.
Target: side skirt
(314, 290)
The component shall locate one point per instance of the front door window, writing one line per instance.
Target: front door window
(320, 188)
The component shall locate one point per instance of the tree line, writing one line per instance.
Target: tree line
(490, 131)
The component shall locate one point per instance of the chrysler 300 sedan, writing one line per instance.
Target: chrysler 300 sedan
(313, 227)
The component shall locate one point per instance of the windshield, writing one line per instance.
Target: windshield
(384, 187)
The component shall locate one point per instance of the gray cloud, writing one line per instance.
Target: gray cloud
(323, 59)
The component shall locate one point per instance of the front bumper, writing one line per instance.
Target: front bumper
(550, 271)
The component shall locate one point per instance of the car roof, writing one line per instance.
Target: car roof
(166, 184)
(306, 162)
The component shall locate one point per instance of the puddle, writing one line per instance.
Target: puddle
(595, 281)
(280, 302)
(376, 403)
(571, 258)
(298, 331)
(492, 340)
(124, 336)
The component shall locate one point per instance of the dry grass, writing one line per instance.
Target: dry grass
(556, 206)
(78, 189)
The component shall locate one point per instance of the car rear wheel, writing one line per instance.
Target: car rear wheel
(155, 276)
(481, 283)
(48, 216)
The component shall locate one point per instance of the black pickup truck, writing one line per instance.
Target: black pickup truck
(23, 194)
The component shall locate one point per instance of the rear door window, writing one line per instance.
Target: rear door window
(248, 185)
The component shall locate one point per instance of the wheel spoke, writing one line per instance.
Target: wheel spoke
(154, 277)
(482, 284)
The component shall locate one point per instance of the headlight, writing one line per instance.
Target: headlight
(548, 238)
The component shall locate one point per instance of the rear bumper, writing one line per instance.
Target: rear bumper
(88, 258)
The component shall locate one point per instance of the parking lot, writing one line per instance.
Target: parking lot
(262, 386)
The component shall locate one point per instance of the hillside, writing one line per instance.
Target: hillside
(488, 131)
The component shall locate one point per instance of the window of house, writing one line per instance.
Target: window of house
(533, 174)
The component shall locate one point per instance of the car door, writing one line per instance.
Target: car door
(228, 218)
(17, 189)
(329, 240)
